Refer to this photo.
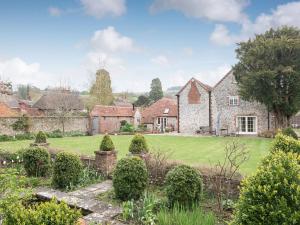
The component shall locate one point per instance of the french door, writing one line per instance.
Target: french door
(247, 124)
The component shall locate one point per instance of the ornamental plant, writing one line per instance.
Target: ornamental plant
(183, 185)
(67, 170)
(138, 145)
(41, 138)
(272, 194)
(290, 132)
(107, 144)
(286, 144)
(36, 161)
(130, 178)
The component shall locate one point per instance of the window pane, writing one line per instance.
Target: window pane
(242, 124)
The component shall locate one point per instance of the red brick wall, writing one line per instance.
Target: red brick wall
(194, 95)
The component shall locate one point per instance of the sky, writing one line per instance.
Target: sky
(54, 42)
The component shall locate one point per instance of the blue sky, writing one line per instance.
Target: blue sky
(54, 42)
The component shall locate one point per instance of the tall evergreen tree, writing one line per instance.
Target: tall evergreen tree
(156, 91)
(268, 72)
(101, 90)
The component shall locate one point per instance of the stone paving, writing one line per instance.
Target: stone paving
(96, 211)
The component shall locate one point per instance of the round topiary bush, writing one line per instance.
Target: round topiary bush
(41, 138)
(107, 144)
(36, 161)
(286, 144)
(130, 178)
(138, 145)
(183, 185)
(290, 132)
(67, 170)
(272, 194)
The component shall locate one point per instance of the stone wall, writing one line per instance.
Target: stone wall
(112, 124)
(46, 124)
(192, 116)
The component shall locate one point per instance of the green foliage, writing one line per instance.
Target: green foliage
(272, 194)
(142, 101)
(107, 144)
(55, 134)
(5, 137)
(130, 178)
(183, 185)
(156, 91)
(22, 124)
(101, 90)
(127, 128)
(285, 144)
(290, 132)
(268, 71)
(41, 138)
(36, 161)
(138, 145)
(25, 136)
(67, 170)
(179, 215)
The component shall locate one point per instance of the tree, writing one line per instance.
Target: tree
(268, 72)
(101, 89)
(142, 101)
(156, 92)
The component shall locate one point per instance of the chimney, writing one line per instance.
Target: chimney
(133, 107)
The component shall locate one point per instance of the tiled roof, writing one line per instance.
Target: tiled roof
(5, 111)
(205, 86)
(164, 107)
(112, 111)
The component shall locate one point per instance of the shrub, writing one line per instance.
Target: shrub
(107, 144)
(25, 136)
(36, 161)
(22, 124)
(127, 128)
(272, 194)
(55, 134)
(41, 138)
(130, 178)
(290, 132)
(267, 134)
(138, 144)
(67, 170)
(5, 137)
(285, 144)
(183, 185)
(123, 123)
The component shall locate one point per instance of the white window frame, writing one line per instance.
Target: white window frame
(233, 100)
(246, 132)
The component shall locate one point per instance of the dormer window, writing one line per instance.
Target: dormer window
(233, 100)
(166, 111)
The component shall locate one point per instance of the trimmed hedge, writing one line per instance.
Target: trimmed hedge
(67, 170)
(107, 144)
(36, 161)
(130, 178)
(183, 186)
(41, 138)
(138, 145)
(272, 194)
(290, 132)
(285, 143)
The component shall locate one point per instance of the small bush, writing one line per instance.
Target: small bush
(41, 138)
(5, 137)
(67, 170)
(130, 178)
(55, 134)
(271, 195)
(138, 145)
(290, 132)
(127, 128)
(25, 136)
(123, 123)
(285, 144)
(107, 144)
(183, 185)
(267, 134)
(36, 161)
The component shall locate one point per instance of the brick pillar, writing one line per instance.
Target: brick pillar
(105, 161)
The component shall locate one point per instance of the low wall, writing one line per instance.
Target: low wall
(47, 124)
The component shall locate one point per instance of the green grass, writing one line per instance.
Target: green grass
(191, 150)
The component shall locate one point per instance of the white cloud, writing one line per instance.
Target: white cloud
(215, 10)
(54, 11)
(102, 8)
(286, 14)
(161, 60)
(109, 40)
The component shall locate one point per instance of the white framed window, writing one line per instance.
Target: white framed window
(247, 124)
(166, 111)
(233, 100)
(158, 120)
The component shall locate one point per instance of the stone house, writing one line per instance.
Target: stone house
(219, 109)
(161, 116)
(107, 119)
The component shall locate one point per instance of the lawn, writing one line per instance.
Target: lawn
(191, 150)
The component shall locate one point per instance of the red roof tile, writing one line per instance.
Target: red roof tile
(112, 111)
(5, 111)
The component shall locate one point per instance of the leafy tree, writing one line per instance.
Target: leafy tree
(101, 89)
(142, 100)
(268, 72)
(156, 92)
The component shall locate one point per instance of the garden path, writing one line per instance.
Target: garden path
(95, 211)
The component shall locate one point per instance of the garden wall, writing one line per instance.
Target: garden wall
(46, 124)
